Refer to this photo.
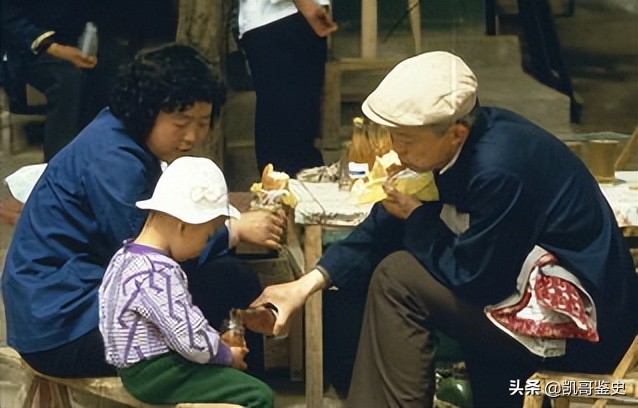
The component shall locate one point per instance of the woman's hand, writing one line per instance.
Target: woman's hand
(261, 227)
(73, 55)
(398, 204)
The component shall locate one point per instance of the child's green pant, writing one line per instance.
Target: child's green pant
(171, 379)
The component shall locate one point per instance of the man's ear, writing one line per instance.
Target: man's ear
(461, 132)
(181, 227)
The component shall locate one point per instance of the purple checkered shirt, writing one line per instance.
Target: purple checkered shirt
(146, 310)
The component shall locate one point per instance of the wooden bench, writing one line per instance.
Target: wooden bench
(53, 391)
(625, 374)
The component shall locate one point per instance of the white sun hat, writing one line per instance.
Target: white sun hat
(191, 189)
(430, 88)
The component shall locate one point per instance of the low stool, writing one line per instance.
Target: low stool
(54, 390)
(617, 388)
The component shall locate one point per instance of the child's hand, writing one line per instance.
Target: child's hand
(238, 357)
(232, 339)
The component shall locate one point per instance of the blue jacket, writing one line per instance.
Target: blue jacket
(521, 187)
(77, 216)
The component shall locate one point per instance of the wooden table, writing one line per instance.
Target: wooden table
(322, 209)
(623, 197)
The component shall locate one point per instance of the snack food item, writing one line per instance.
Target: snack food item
(419, 185)
(272, 192)
(273, 180)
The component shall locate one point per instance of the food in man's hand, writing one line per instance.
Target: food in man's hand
(419, 185)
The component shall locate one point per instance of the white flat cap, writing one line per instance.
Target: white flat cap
(429, 88)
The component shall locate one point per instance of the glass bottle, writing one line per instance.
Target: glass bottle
(233, 329)
(88, 40)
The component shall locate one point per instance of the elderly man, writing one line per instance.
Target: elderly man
(520, 226)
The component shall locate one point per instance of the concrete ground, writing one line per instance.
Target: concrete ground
(599, 49)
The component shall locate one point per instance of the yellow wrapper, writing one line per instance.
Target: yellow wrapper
(419, 185)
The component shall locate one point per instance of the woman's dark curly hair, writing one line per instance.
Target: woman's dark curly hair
(169, 78)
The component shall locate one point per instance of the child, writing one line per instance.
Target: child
(165, 350)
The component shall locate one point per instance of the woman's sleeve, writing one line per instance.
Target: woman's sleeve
(114, 183)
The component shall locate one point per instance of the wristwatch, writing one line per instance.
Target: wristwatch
(43, 42)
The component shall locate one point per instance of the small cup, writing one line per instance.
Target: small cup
(602, 155)
(576, 148)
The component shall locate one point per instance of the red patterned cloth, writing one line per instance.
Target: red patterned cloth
(551, 308)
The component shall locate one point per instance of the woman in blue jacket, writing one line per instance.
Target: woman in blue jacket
(83, 208)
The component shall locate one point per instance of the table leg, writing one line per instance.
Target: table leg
(313, 322)
(368, 28)
(415, 24)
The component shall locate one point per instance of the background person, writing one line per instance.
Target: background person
(83, 207)
(39, 39)
(512, 198)
(286, 48)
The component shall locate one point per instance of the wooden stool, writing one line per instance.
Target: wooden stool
(31, 106)
(625, 374)
(54, 390)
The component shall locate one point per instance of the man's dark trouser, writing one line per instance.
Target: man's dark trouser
(394, 366)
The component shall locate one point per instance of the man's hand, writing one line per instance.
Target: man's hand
(398, 204)
(259, 320)
(317, 16)
(288, 297)
(260, 227)
(73, 55)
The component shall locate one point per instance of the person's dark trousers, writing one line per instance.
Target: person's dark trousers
(394, 365)
(217, 286)
(342, 313)
(62, 84)
(80, 358)
(74, 96)
(221, 284)
(287, 64)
